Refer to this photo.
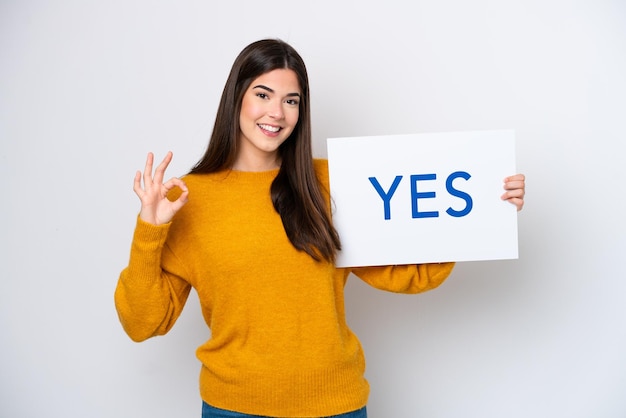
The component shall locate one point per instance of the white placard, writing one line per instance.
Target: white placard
(434, 197)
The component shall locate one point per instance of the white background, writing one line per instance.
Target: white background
(88, 87)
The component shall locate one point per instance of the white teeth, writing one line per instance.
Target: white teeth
(270, 128)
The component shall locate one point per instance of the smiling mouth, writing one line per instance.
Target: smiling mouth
(270, 128)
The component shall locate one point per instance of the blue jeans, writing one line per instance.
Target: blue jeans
(209, 411)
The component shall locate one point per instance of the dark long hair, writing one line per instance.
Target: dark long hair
(295, 191)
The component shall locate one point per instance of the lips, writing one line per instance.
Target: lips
(269, 128)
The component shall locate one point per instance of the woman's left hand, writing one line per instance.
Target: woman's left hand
(515, 187)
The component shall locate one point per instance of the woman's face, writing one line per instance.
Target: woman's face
(269, 113)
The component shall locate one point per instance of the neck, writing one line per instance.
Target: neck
(248, 163)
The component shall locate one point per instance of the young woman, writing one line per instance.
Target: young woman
(249, 228)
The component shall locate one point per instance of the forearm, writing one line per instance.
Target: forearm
(146, 298)
(412, 278)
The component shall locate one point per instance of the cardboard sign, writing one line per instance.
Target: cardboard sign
(422, 198)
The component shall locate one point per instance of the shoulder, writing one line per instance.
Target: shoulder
(320, 163)
(198, 181)
(321, 170)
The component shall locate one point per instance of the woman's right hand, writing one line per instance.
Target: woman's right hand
(156, 208)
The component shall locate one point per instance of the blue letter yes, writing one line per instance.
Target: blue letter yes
(415, 195)
(386, 196)
(458, 193)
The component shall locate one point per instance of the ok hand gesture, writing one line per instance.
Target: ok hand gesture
(156, 208)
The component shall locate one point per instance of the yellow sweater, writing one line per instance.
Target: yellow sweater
(279, 345)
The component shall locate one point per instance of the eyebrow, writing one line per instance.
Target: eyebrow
(261, 86)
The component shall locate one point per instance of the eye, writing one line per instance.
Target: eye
(261, 95)
(292, 102)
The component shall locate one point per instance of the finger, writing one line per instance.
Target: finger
(159, 173)
(181, 194)
(516, 177)
(519, 203)
(175, 182)
(514, 184)
(147, 171)
(517, 181)
(180, 202)
(515, 193)
(137, 184)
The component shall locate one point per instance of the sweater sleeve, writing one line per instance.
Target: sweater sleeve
(148, 298)
(413, 278)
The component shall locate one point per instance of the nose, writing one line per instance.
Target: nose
(276, 111)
